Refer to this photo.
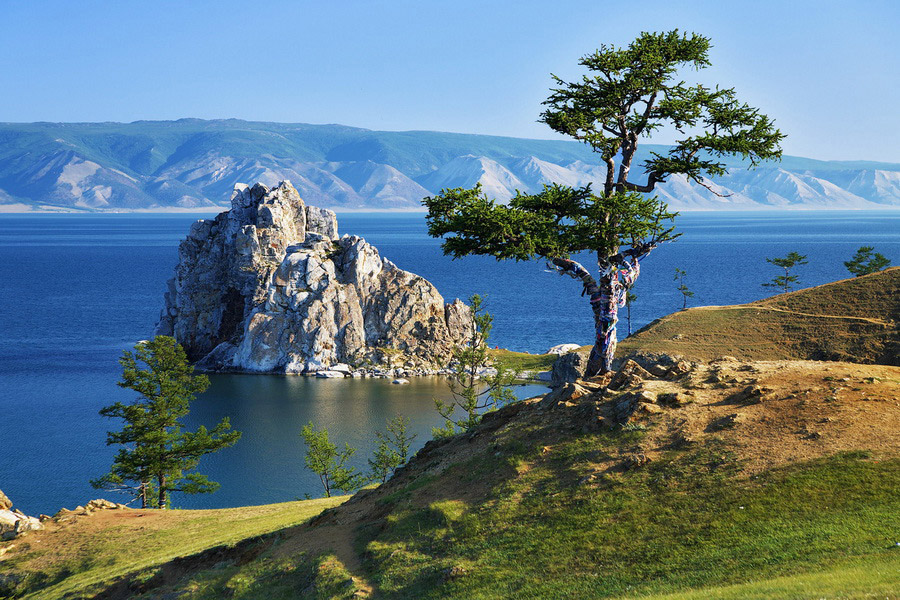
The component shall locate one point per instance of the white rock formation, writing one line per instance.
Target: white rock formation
(563, 348)
(269, 287)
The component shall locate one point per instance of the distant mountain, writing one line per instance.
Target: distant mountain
(193, 163)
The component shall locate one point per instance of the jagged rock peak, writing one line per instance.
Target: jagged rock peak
(269, 287)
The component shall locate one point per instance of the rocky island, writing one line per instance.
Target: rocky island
(269, 287)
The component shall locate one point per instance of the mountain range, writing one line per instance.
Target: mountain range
(194, 164)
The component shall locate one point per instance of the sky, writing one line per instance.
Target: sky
(827, 72)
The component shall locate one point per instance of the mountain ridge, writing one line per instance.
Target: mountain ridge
(194, 164)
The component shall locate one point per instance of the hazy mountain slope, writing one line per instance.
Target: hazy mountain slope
(465, 171)
(195, 163)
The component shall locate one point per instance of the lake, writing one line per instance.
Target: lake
(77, 290)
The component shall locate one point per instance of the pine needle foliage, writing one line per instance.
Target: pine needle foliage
(157, 454)
(867, 261)
(473, 389)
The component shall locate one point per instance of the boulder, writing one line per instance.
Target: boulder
(630, 375)
(269, 287)
(563, 349)
(569, 368)
(13, 524)
(330, 374)
(400, 381)
(634, 403)
(565, 394)
(5, 503)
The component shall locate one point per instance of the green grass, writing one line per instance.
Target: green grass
(869, 579)
(73, 561)
(679, 524)
(272, 578)
(522, 361)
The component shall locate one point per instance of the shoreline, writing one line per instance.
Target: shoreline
(27, 209)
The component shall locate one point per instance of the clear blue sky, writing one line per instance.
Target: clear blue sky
(828, 72)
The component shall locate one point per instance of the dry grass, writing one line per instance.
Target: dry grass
(853, 320)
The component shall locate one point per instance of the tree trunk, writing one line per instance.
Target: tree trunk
(605, 298)
(162, 492)
(605, 305)
(144, 494)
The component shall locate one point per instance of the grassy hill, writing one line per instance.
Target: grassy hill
(725, 478)
(731, 479)
(856, 320)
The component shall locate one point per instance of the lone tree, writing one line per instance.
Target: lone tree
(630, 93)
(473, 387)
(325, 460)
(865, 262)
(157, 452)
(786, 281)
(391, 448)
(683, 289)
(630, 297)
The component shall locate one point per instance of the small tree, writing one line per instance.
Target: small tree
(865, 262)
(392, 449)
(784, 282)
(630, 297)
(324, 459)
(627, 95)
(157, 453)
(682, 287)
(472, 388)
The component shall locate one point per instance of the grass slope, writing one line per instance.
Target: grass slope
(856, 320)
(794, 496)
(70, 560)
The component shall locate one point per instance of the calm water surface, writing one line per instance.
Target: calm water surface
(76, 290)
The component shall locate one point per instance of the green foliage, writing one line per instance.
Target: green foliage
(472, 392)
(557, 222)
(629, 94)
(324, 459)
(632, 92)
(865, 262)
(786, 281)
(157, 452)
(392, 448)
(630, 297)
(682, 287)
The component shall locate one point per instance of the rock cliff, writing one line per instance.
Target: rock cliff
(269, 287)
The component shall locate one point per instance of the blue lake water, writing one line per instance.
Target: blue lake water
(76, 290)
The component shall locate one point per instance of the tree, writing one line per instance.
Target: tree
(472, 386)
(391, 449)
(784, 282)
(682, 287)
(864, 262)
(157, 452)
(630, 297)
(630, 93)
(324, 459)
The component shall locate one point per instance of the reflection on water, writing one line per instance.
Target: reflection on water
(266, 465)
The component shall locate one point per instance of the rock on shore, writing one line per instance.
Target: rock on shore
(268, 286)
(14, 523)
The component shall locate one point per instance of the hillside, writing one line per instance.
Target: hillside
(192, 163)
(856, 320)
(749, 475)
(770, 479)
